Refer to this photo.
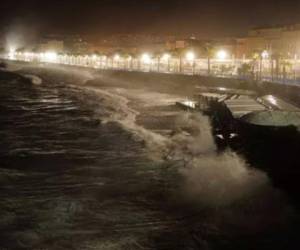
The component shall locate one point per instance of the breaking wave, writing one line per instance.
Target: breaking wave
(34, 79)
(211, 178)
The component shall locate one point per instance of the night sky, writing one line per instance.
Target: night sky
(182, 17)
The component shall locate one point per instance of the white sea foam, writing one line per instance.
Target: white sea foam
(34, 79)
(210, 178)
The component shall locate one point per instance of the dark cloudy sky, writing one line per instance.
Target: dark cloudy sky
(204, 18)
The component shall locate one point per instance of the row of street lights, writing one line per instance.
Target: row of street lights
(145, 57)
(165, 62)
(261, 66)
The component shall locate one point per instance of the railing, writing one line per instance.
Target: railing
(287, 72)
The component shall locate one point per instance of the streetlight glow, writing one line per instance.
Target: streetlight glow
(11, 52)
(117, 57)
(50, 56)
(190, 56)
(146, 58)
(265, 54)
(222, 55)
(166, 57)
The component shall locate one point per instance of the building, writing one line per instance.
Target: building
(240, 49)
(51, 45)
(184, 43)
(75, 44)
(283, 40)
(230, 45)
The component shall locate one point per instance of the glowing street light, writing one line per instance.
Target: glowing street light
(117, 57)
(190, 56)
(166, 57)
(265, 54)
(146, 58)
(27, 56)
(50, 56)
(222, 54)
(11, 53)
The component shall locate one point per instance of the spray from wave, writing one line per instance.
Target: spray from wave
(35, 80)
(211, 178)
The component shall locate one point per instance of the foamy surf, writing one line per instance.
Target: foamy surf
(211, 178)
(117, 174)
(34, 79)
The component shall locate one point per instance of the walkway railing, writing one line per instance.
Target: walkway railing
(287, 72)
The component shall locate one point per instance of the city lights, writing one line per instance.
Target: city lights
(146, 58)
(265, 54)
(166, 57)
(50, 57)
(187, 63)
(11, 53)
(117, 57)
(190, 56)
(27, 54)
(222, 55)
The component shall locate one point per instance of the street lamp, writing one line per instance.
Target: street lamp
(129, 61)
(117, 59)
(166, 58)
(103, 62)
(11, 53)
(50, 56)
(265, 54)
(146, 58)
(27, 56)
(222, 55)
(190, 56)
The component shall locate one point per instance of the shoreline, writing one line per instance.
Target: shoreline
(193, 184)
(179, 84)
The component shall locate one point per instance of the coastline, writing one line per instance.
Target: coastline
(186, 186)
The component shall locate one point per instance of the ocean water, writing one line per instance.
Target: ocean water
(78, 172)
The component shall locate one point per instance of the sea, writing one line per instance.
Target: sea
(75, 173)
